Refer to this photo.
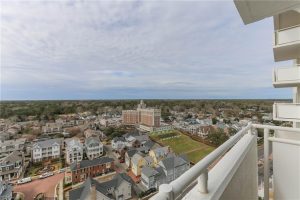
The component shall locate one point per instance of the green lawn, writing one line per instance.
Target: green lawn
(183, 144)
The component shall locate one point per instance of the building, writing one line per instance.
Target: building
(11, 166)
(128, 155)
(91, 168)
(130, 117)
(6, 191)
(143, 116)
(52, 128)
(138, 161)
(45, 150)
(174, 166)
(9, 146)
(118, 143)
(168, 170)
(93, 133)
(119, 188)
(74, 150)
(93, 148)
(158, 154)
(234, 173)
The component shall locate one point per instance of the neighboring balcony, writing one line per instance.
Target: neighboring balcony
(286, 112)
(231, 170)
(286, 77)
(287, 43)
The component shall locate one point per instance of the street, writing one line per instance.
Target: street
(46, 186)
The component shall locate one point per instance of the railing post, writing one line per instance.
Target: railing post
(202, 181)
(166, 191)
(266, 164)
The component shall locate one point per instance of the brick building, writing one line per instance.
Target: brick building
(149, 117)
(91, 168)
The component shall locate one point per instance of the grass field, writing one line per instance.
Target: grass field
(182, 144)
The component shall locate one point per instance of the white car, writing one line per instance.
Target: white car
(24, 180)
(47, 174)
(61, 170)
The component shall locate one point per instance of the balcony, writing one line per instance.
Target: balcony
(286, 77)
(231, 171)
(287, 43)
(286, 112)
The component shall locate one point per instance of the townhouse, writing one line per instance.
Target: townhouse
(52, 128)
(81, 170)
(11, 166)
(46, 149)
(8, 146)
(93, 148)
(74, 150)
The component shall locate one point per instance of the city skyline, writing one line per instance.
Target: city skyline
(134, 50)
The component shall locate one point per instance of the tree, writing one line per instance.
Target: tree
(217, 137)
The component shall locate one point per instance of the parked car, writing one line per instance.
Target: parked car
(47, 174)
(62, 170)
(24, 180)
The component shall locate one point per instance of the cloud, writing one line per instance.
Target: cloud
(133, 49)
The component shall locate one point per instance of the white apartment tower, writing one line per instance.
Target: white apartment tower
(231, 171)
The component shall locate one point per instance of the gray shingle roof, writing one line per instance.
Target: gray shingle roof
(149, 171)
(12, 157)
(82, 192)
(88, 163)
(172, 162)
(131, 152)
(48, 143)
(91, 140)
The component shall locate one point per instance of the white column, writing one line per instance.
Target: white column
(296, 93)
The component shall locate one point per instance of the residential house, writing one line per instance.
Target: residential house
(128, 155)
(74, 150)
(119, 188)
(174, 166)
(159, 153)
(81, 170)
(11, 166)
(92, 133)
(8, 146)
(93, 147)
(52, 128)
(138, 161)
(152, 177)
(6, 191)
(46, 149)
(118, 143)
(167, 170)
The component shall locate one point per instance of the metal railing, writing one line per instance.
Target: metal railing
(199, 171)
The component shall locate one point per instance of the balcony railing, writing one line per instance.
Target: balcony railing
(287, 43)
(286, 77)
(234, 163)
(286, 112)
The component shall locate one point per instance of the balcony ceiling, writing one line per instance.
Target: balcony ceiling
(254, 10)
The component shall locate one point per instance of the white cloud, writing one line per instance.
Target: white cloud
(182, 48)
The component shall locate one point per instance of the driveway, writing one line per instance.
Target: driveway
(47, 186)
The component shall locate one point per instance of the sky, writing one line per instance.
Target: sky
(134, 50)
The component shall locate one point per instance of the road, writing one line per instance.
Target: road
(47, 186)
(119, 167)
